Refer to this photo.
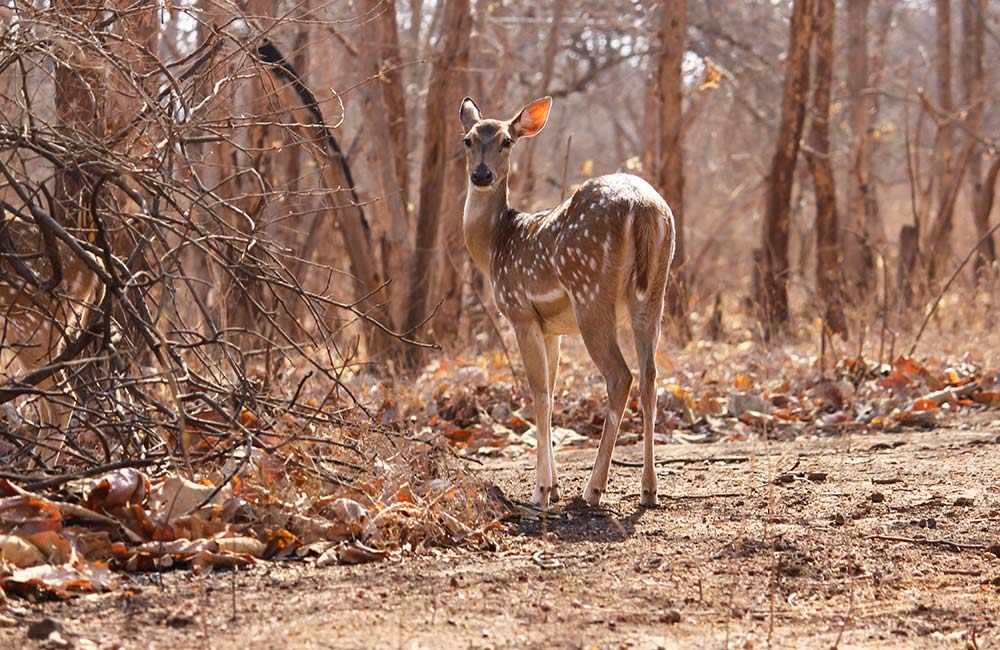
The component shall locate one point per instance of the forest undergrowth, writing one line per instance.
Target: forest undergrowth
(397, 475)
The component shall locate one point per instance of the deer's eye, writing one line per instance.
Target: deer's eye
(507, 142)
(468, 143)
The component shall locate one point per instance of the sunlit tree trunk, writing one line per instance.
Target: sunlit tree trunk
(939, 236)
(442, 141)
(526, 175)
(864, 222)
(828, 259)
(773, 287)
(386, 153)
(670, 167)
(974, 81)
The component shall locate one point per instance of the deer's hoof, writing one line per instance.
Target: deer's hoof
(554, 494)
(648, 499)
(541, 497)
(592, 495)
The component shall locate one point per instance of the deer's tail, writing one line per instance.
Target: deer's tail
(653, 230)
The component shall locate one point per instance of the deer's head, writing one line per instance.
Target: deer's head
(488, 143)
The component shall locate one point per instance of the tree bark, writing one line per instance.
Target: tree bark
(939, 237)
(865, 224)
(670, 167)
(973, 82)
(443, 138)
(548, 67)
(394, 95)
(773, 294)
(384, 152)
(818, 156)
(987, 255)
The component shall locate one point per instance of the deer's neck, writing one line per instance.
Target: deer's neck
(483, 212)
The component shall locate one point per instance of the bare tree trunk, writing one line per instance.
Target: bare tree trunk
(394, 95)
(384, 152)
(548, 67)
(818, 155)
(865, 224)
(650, 124)
(670, 167)
(987, 254)
(939, 237)
(908, 253)
(442, 141)
(974, 82)
(773, 294)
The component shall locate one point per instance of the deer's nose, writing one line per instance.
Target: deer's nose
(481, 176)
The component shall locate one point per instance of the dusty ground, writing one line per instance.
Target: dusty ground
(738, 555)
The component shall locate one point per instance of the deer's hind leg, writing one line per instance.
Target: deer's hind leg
(601, 338)
(647, 314)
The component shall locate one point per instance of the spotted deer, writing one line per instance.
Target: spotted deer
(600, 257)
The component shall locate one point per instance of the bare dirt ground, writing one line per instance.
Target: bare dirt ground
(874, 541)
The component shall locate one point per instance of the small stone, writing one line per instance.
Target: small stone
(671, 616)
(964, 502)
(877, 497)
(545, 606)
(816, 477)
(839, 519)
(43, 628)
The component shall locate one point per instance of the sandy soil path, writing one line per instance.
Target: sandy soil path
(886, 541)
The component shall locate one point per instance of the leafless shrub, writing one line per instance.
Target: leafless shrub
(147, 300)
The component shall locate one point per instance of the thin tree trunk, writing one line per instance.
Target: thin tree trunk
(773, 294)
(818, 155)
(670, 167)
(864, 223)
(939, 237)
(394, 95)
(384, 152)
(650, 123)
(442, 140)
(973, 82)
(987, 254)
(527, 174)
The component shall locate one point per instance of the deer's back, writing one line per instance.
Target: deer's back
(547, 265)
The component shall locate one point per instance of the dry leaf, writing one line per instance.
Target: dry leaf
(18, 552)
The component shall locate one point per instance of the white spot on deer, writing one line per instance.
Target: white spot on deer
(548, 296)
(593, 264)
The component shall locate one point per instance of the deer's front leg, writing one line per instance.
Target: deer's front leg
(533, 352)
(552, 357)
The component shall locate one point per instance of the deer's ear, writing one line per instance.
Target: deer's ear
(469, 113)
(532, 118)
